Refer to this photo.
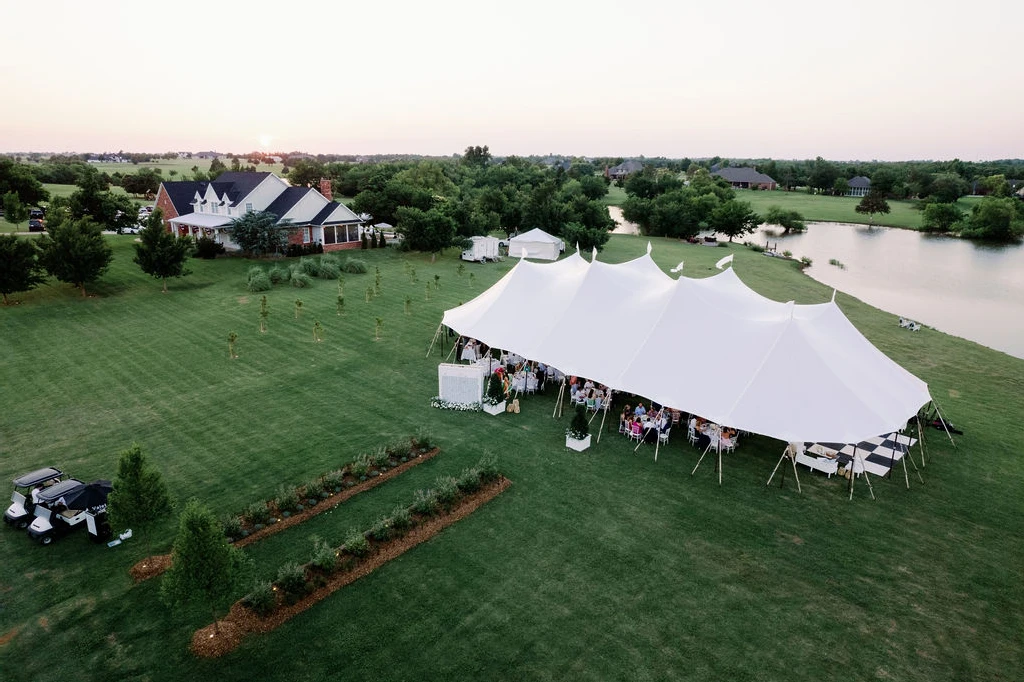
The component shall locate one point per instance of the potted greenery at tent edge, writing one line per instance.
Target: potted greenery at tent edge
(494, 400)
(577, 436)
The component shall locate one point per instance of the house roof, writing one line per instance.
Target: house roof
(201, 220)
(627, 167)
(286, 200)
(238, 184)
(327, 216)
(859, 182)
(182, 192)
(743, 174)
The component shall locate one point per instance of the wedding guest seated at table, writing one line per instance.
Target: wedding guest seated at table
(588, 385)
(640, 410)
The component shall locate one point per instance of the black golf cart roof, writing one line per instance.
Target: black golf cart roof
(55, 492)
(38, 476)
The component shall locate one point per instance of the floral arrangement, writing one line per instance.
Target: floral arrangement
(437, 402)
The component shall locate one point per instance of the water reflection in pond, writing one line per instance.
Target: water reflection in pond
(960, 287)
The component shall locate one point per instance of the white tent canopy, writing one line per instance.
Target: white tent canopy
(712, 347)
(537, 244)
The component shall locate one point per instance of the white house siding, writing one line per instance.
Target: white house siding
(263, 195)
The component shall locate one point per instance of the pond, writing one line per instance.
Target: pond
(956, 286)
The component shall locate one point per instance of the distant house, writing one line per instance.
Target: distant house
(624, 169)
(207, 155)
(859, 186)
(206, 209)
(744, 177)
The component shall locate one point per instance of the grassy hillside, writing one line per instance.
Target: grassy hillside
(601, 565)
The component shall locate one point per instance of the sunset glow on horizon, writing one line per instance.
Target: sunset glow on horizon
(879, 80)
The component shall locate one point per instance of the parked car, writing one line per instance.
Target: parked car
(26, 491)
(36, 213)
(36, 225)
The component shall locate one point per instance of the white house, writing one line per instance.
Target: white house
(206, 209)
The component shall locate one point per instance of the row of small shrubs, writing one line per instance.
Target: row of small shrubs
(301, 274)
(372, 241)
(292, 499)
(294, 581)
(311, 249)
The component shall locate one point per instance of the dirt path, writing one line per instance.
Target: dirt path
(622, 226)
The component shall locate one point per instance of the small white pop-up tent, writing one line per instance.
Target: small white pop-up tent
(537, 244)
(712, 347)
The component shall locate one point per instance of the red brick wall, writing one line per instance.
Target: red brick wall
(163, 202)
(296, 235)
(343, 245)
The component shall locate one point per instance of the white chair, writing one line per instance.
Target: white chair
(691, 432)
(663, 436)
(531, 383)
(727, 444)
(637, 432)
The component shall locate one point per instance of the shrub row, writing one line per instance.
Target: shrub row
(294, 581)
(292, 499)
(301, 274)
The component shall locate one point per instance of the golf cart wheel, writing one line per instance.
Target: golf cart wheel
(46, 540)
(21, 525)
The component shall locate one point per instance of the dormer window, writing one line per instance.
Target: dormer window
(248, 207)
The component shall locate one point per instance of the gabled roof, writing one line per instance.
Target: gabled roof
(859, 182)
(238, 184)
(182, 192)
(743, 174)
(286, 200)
(330, 214)
(631, 166)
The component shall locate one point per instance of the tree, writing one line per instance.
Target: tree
(872, 203)
(734, 218)
(140, 494)
(823, 174)
(204, 567)
(429, 231)
(19, 178)
(216, 168)
(575, 234)
(941, 217)
(884, 181)
(161, 254)
(19, 265)
(477, 156)
(593, 187)
(75, 252)
(789, 221)
(840, 187)
(14, 211)
(994, 219)
(257, 233)
(946, 188)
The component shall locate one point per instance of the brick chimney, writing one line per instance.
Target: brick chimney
(325, 189)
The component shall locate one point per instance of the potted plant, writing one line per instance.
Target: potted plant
(577, 436)
(494, 400)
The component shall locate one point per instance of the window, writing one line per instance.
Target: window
(306, 236)
(329, 237)
(213, 209)
(248, 208)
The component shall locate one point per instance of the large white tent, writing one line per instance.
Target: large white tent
(712, 347)
(537, 244)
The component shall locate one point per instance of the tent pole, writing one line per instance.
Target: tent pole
(604, 416)
(910, 455)
(701, 459)
(558, 402)
(867, 477)
(942, 421)
(920, 438)
(786, 452)
(906, 476)
(434, 340)
(657, 443)
(452, 351)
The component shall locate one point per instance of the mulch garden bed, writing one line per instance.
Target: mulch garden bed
(151, 567)
(216, 640)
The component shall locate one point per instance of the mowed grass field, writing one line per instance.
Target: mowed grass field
(593, 566)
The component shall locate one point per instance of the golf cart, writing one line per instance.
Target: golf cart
(70, 504)
(26, 490)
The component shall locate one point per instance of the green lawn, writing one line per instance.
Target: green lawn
(615, 196)
(818, 207)
(594, 566)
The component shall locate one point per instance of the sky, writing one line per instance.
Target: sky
(893, 80)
